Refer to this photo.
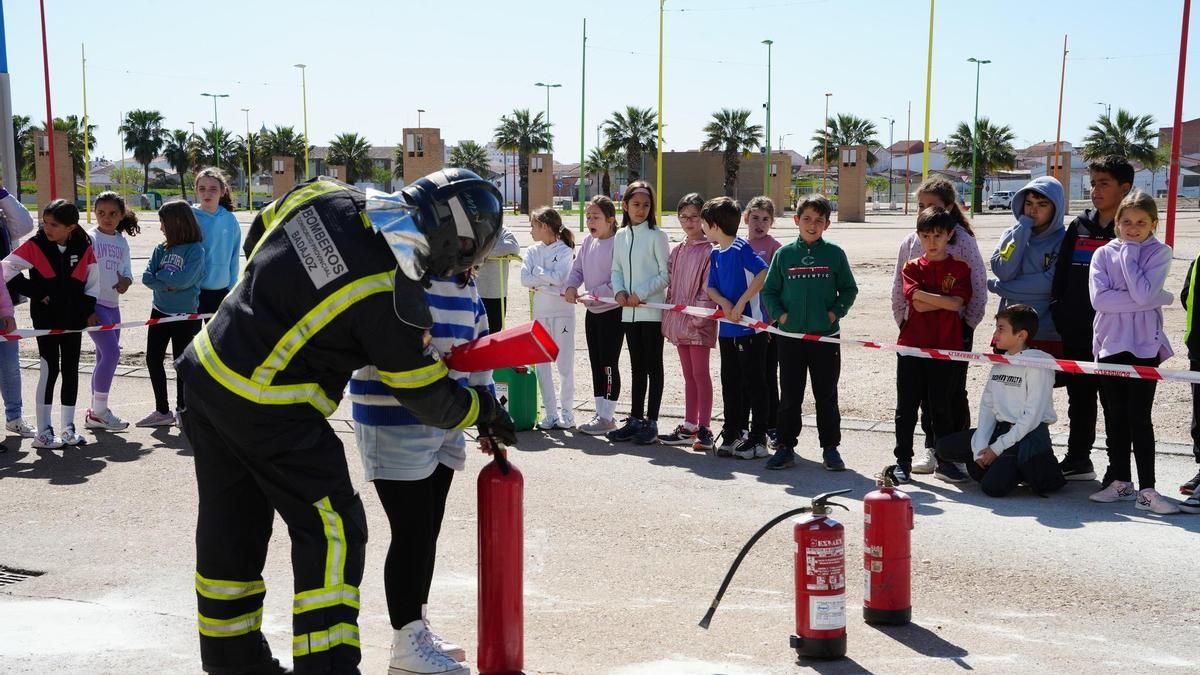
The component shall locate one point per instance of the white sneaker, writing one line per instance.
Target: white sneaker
(598, 426)
(1148, 499)
(413, 653)
(157, 419)
(20, 428)
(1117, 491)
(47, 439)
(444, 646)
(106, 420)
(566, 421)
(926, 464)
(69, 437)
(548, 423)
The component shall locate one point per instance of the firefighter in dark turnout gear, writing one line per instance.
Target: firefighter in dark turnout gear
(333, 285)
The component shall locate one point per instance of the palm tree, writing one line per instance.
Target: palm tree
(23, 151)
(523, 134)
(1130, 136)
(604, 162)
(353, 152)
(282, 142)
(471, 156)
(73, 128)
(217, 146)
(730, 133)
(143, 132)
(995, 152)
(845, 129)
(398, 163)
(178, 153)
(633, 132)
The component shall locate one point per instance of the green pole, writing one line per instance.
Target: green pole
(975, 191)
(582, 101)
(767, 160)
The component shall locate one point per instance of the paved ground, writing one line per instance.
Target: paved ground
(626, 545)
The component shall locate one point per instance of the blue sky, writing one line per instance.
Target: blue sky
(372, 63)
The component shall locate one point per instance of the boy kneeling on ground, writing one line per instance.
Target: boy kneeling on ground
(1012, 442)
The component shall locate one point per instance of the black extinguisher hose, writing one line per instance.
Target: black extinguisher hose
(741, 555)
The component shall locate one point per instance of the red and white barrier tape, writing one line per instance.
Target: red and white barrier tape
(25, 333)
(1062, 365)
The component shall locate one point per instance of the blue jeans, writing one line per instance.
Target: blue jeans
(10, 379)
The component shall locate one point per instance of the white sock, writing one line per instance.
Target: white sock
(67, 415)
(43, 417)
(610, 408)
(99, 402)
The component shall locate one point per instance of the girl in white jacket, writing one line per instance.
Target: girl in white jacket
(544, 269)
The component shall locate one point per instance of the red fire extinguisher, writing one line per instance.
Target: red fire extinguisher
(820, 579)
(501, 552)
(887, 553)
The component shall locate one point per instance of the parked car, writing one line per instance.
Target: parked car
(1000, 200)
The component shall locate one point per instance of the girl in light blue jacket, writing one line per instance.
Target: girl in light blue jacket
(639, 274)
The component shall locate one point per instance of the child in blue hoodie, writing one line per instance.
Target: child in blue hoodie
(174, 272)
(1026, 256)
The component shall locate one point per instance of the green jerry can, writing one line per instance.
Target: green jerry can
(517, 391)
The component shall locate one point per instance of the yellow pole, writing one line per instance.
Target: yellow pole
(928, 96)
(1057, 169)
(304, 95)
(658, 184)
(87, 158)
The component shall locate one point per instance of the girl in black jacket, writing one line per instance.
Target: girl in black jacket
(61, 287)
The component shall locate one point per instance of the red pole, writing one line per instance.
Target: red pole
(1177, 130)
(49, 115)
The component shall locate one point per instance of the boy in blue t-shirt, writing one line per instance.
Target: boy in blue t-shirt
(735, 276)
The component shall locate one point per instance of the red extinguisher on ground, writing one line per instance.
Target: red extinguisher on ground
(501, 567)
(887, 553)
(820, 579)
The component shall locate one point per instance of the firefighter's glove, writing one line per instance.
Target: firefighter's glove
(494, 421)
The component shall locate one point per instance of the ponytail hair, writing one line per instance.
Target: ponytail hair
(944, 190)
(634, 187)
(129, 222)
(219, 176)
(550, 218)
(67, 213)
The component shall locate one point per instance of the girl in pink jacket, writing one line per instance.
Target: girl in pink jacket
(693, 337)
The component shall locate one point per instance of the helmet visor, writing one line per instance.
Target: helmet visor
(393, 217)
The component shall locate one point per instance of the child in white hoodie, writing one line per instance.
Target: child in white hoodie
(544, 269)
(1011, 445)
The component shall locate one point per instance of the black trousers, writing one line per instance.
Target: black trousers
(179, 335)
(743, 383)
(773, 390)
(799, 359)
(960, 407)
(645, 341)
(604, 335)
(1083, 392)
(252, 461)
(414, 511)
(1031, 459)
(1195, 365)
(1128, 421)
(60, 356)
(920, 382)
(495, 313)
(210, 299)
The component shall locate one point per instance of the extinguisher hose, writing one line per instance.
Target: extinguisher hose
(741, 555)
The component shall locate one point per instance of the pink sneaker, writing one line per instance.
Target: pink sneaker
(1117, 491)
(1148, 499)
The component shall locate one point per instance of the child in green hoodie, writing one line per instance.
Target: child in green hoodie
(809, 288)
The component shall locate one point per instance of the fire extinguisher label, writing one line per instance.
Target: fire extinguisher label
(825, 565)
(867, 584)
(827, 612)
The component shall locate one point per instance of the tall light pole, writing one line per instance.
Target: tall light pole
(825, 147)
(767, 158)
(891, 142)
(975, 187)
(249, 163)
(419, 111)
(216, 151)
(547, 87)
(1107, 109)
(304, 98)
(658, 164)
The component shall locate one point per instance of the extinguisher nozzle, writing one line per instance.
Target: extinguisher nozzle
(708, 617)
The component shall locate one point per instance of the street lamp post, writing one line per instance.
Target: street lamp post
(891, 129)
(975, 187)
(1107, 109)
(767, 157)
(304, 98)
(216, 151)
(825, 146)
(249, 163)
(547, 87)
(419, 111)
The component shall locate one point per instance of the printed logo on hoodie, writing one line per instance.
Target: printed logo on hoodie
(171, 262)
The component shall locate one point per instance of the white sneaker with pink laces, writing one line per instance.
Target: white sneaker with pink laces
(1117, 491)
(1148, 499)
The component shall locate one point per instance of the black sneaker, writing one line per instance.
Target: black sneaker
(1190, 487)
(902, 474)
(750, 447)
(648, 434)
(1077, 468)
(832, 460)
(704, 440)
(772, 439)
(950, 473)
(626, 433)
(728, 441)
(681, 436)
(782, 459)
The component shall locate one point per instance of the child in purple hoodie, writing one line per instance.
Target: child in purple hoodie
(1126, 288)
